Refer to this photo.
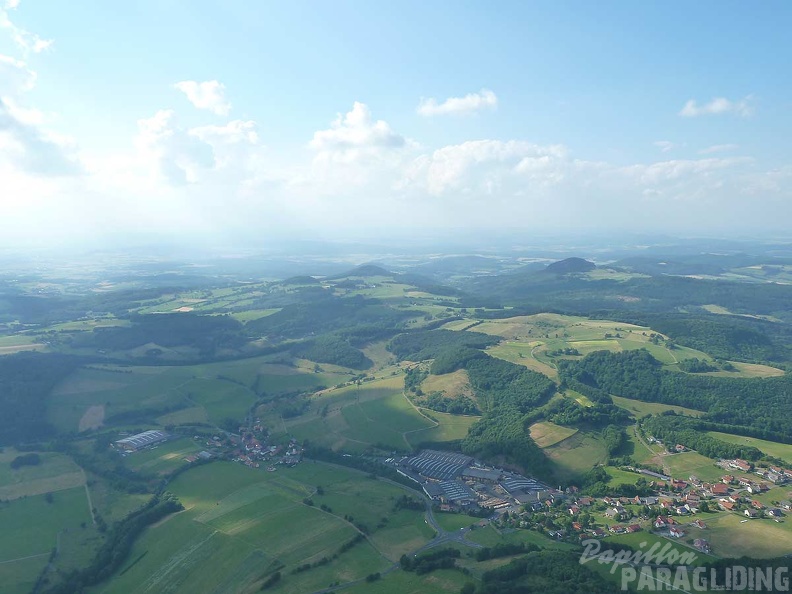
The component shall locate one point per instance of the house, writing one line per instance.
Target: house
(617, 529)
(633, 528)
(577, 526)
(574, 510)
(676, 532)
(650, 500)
(751, 513)
(775, 512)
(699, 524)
(787, 505)
(727, 479)
(680, 448)
(757, 504)
(663, 522)
(585, 501)
(702, 545)
(693, 499)
(678, 485)
(726, 505)
(682, 510)
(719, 489)
(598, 532)
(741, 464)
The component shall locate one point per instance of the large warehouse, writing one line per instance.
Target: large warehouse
(141, 440)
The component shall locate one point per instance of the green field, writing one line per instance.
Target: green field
(772, 448)
(240, 524)
(357, 417)
(56, 472)
(32, 527)
(449, 428)
(546, 434)
(730, 537)
(577, 454)
(637, 538)
(692, 464)
(163, 458)
(642, 409)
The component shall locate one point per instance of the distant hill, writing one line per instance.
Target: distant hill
(570, 265)
(300, 280)
(363, 270)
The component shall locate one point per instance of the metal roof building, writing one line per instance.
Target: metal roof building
(141, 440)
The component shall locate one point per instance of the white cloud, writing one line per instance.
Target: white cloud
(208, 95)
(664, 145)
(718, 106)
(719, 148)
(355, 136)
(28, 42)
(484, 99)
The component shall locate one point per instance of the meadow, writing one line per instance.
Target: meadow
(576, 455)
(240, 524)
(771, 448)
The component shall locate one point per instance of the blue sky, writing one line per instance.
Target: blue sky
(220, 117)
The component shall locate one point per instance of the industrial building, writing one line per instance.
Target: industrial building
(141, 440)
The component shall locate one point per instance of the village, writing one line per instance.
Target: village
(676, 509)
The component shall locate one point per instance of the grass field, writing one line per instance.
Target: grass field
(450, 521)
(56, 472)
(450, 428)
(164, 458)
(692, 464)
(730, 537)
(32, 527)
(451, 385)
(577, 454)
(772, 448)
(642, 409)
(239, 524)
(357, 417)
(636, 539)
(546, 434)
(444, 581)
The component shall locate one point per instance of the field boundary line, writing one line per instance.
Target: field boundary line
(23, 558)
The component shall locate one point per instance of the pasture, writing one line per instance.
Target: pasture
(240, 524)
(576, 455)
(692, 464)
(449, 428)
(772, 448)
(640, 409)
(55, 472)
(451, 385)
(730, 537)
(32, 527)
(546, 433)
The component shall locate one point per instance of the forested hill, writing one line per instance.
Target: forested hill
(759, 406)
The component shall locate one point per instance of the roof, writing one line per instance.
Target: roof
(143, 439)
(480, 473)
(439, 465)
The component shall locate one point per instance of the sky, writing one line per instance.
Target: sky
(296, 119)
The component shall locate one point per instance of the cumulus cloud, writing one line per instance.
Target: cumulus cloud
(354, 136)
(208, 95)
(718, 106)
(25, 40)
(484, 99)
(185, 155)
(24, 143)
(719, 148)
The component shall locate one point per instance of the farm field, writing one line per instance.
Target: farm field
(576, 455)
(641, 409)
(730, 537)
(635, 540)
(356, 417)
(32, 527)
(449, 428)
(488, 536)
(249, 522)
(546, 434)
(56, 472)
(692, 464)
(451, 385)
(772, 448)
(444, 581)
(523, 353)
